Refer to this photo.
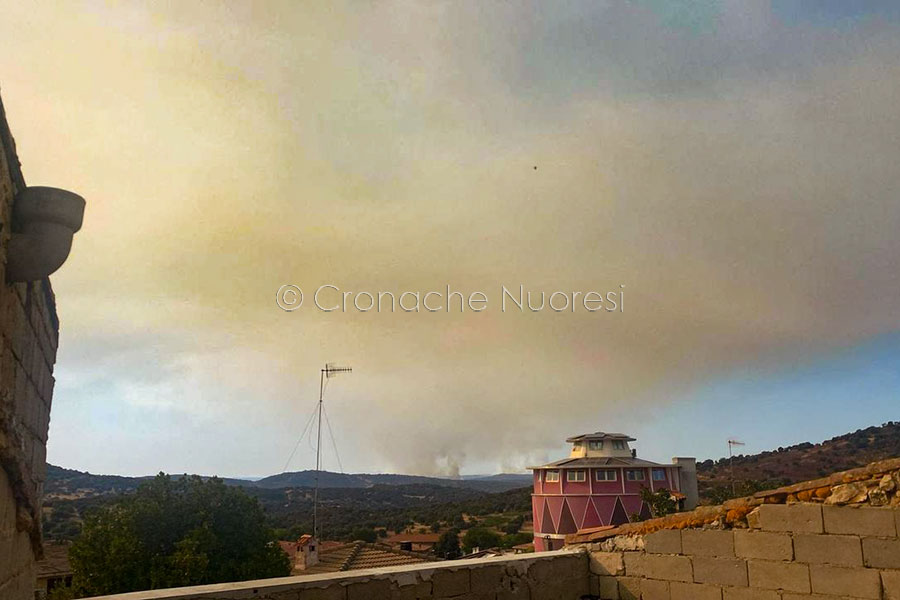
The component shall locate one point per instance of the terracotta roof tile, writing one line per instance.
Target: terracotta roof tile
(55, 562)
(361, 555)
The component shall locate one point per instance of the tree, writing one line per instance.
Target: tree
(514, 524)
(480, 537)
(515, 539)
(175, 533)
(448, 545)
(366, 535)
(660, 501)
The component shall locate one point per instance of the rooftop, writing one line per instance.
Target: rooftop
(363, 555)
(416, 538)
(55, 562)
(601, 435)
(601, 461)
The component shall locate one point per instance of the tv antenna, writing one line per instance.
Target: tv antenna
(731, 444)
(330, 370)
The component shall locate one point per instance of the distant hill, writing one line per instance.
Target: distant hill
(801, 462)
(485, 483)
(69, 482)
(63, 482)
(758, 471)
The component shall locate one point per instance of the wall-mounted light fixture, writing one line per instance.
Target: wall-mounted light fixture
(44, 220)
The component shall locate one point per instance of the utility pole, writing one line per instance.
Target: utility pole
(329, 371)
(731, 444)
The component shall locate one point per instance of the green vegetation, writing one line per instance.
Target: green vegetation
(792, 464)
(364, 534)
(448, 545)
(516, 539)
(174, 533)
(480, 537)
(721, 493)
(514, 524)
(660, 501)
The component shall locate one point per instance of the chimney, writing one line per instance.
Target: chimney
(308, 552)
(687, 480)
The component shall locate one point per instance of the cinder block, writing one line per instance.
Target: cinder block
(770, 575)
(446, 582)
(707, 542)
(763, 544)
(881, 553)
(812, 597)
(694, 591)
(845, 581)
(890, 580)
(607, 563)
(607, 587)
(422, 589)
(335, 591)
(514, 590)
(863, 521)
(841, 550)
(629, 588)
(746, 593)
(799, 518)
(366, 590)
(721, 571)
(652, 589)
(658, 566)
(485, 579)
(897, 519)
(664, 541)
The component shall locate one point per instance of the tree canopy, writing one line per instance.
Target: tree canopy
(480, 537)
(660, 501)
(173, 533)
(448, 545)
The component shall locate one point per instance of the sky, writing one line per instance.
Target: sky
(727, 168)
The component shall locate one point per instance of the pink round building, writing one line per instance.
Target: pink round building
(600, 484)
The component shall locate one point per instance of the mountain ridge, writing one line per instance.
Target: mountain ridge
(63, 482)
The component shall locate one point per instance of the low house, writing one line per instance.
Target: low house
(307, 556)
(53, 571)
(413, 542)
(363, 555)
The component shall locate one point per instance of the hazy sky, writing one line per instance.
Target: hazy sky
(732, 164)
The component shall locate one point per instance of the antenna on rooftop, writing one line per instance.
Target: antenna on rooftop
(731, 444)
(330, 370)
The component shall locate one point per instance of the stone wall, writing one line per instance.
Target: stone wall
(560, 575)
(787, 552)
(827, 539)
(28, 341)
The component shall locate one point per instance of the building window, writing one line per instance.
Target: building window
(619, 445)
(575, 475)
(634, 475)
(596, 445)
(659, 474)
(605, 475)
(551, 476)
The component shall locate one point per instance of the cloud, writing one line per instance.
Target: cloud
(733, 171)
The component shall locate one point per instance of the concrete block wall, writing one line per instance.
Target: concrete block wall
(788, 552)
(560, 575)
(28, 342)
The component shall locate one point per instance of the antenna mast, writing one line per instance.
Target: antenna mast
(731, 444)
(329, 371)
